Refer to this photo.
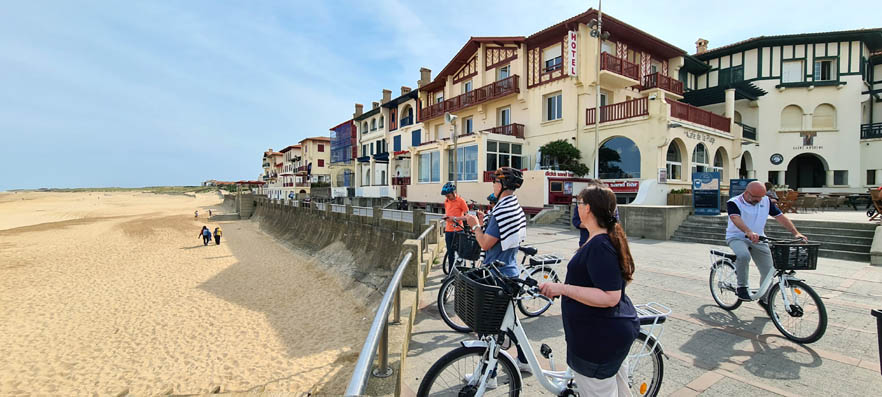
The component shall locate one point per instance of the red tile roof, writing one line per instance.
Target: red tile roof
(464, 55)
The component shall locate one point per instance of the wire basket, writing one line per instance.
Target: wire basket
(466, 246)
(799, 256)
(479, 302)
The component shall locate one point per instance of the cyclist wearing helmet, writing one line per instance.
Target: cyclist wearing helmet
(507, 226)
(454, 210)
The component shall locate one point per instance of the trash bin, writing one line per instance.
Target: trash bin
(878, 315)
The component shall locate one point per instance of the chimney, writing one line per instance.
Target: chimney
(700, 46)
(425, 77)
(376, 104)
(404, 90)
(359, 109)
(387, 96)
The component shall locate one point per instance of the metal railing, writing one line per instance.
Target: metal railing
(320, 206)
(362, 211)
(748, 131)
(377, 341)
(397, 215)
(338, 208)
(433, 217)
(870, 131)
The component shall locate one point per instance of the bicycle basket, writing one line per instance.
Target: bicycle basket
(799, 256)
(467, 246)
(479, 302)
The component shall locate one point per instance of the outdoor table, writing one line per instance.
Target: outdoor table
(854, 198)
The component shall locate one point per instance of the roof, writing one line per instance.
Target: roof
(413, 94)
(316, 138)
(617, 30)
(872, 37)
(341, 124)
(287, 149)
(367, 114)
(463, 56)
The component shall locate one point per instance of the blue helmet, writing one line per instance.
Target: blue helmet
(448, 188)
(492, 199)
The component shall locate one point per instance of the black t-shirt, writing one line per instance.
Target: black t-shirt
(598, 334)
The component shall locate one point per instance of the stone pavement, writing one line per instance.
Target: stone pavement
(711, 351)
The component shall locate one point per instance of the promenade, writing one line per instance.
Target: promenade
(711, 351)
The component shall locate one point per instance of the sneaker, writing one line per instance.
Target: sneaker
(525, 367)
(491, 383)
(741, 293)
(763, 304)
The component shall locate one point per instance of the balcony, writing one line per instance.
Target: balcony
(692, 114)
(618, 73)
(266, 165)
(486, 93)
(620, 111)
(749, 132)
(656, 80)
(400, 180)
(301, 184)
(870, 131)
(405, 122)
(516, 130)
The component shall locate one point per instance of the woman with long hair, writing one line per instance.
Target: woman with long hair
(600, 322)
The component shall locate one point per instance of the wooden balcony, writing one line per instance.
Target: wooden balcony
(696, 115)
(516, 130)
(656, 80)
(870, 131)
(400, 180)
(617, 72)
(619, 111)
(486, 93)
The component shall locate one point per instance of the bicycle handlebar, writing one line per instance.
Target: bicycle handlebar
(779, 240)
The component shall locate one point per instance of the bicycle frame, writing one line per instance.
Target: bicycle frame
(782, 276)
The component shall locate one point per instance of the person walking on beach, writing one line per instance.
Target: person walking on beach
(197, 214)
(217, 235)
(206, 235)
(209, 213)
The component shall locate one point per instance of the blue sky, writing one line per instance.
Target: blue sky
(140, 93)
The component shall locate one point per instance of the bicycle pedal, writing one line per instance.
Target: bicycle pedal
(545, 350)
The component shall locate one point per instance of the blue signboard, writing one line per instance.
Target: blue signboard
(706, 193)
(738, 186)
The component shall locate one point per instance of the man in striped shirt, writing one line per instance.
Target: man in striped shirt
(507, 226)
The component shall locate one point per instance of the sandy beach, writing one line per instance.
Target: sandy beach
(102, 293)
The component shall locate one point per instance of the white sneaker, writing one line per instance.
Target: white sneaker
(491, 383)
(525, 367)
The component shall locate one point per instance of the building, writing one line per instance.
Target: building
(344, 150)
(313, 170)
(809, 105)
(291, 156)
(272, 167)
(404, 132)
(372, 168)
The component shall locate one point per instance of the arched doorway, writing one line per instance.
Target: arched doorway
(619, 158)
(806, 170)
(746, 169)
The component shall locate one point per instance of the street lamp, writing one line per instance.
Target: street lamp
(452, 120)
(596, 31)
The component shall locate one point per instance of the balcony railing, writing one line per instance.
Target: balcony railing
(488, 92)
(301, 184)
(406, 121)
(620, 111)
(656, 80)
(693, 114)
(749, 132)
(516, 130)
(619, 66)
(869, 131)
(400, 180)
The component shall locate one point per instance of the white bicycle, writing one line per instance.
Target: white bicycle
(486, 302)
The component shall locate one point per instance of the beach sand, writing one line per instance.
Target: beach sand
(102, 293)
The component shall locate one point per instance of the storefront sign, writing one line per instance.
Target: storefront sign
(738, 186)
(558, 173)
(776, 159)
(706, 193)
(623, 186)
(662, 175)
(698, 136)
(572, 65)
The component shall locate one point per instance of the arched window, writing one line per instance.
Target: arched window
(719, 165)
(373, 124)
(700, 158)
(791, 118)
(824, 117)
(674, 162)
(737, 117)
(619, 158)
(364, 128)
(381, 121)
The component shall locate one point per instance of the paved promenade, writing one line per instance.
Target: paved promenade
(711, 351)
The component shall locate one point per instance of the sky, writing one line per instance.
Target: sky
(147, 93)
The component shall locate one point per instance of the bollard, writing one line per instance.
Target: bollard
(383, 371)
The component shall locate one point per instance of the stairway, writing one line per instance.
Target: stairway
(839, 240)
(565, 218)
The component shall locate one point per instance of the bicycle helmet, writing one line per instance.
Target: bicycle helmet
(492, 199)
(510, 178)
(448, 188)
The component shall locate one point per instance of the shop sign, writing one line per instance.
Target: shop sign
(572, 65)
(623, 186)
(698, 136)
(706, 193)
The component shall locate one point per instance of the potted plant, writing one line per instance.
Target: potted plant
(680, 197)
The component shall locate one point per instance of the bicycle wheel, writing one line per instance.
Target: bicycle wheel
(722, 284)
(805, 321)
(645, 366)
(452, 375)
(533, 306)
(446, 297)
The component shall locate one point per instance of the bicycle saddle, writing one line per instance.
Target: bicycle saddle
(727, 255)
(528, 250)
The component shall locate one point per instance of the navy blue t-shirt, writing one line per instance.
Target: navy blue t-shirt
(598, 335)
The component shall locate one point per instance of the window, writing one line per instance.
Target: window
(731, 75)
(552, 107)
(683, 76)
(381, 121)
(439, 97)
(718, 164)
(791, 118)
(321, 163)
(373, 124)
(396, 143)
(654, 66)
(840, 178)
(467, 125)
(466, 163)
(503, 154)
(364, 127)
(618, 158)
(430, 167)
(321, 147)
(699, 159)
(503, 72)
(673, 162)
(415, 136)
(824, 117)
(825, 69)
(791, 71)
(871, 177)
(364, 150)
(467, 86)
(503, 116)
(372, 149)
(553, 58)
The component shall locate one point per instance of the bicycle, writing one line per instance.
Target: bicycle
(782, 292)
(488, 308)
(530, 302)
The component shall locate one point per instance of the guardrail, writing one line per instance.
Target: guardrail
(363, 211)
(341, 209)
(433, 217)
(397, 215)
(377, 341)
(320, 206)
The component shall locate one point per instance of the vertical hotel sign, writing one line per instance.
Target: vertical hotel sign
(572, 58)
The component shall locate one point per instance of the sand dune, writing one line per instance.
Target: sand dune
(122, 295)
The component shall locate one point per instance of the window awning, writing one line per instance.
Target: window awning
(382, 157)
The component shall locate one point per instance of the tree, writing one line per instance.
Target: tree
(566, 156)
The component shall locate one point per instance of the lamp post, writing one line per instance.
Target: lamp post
(452, 120)
(596, 31)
